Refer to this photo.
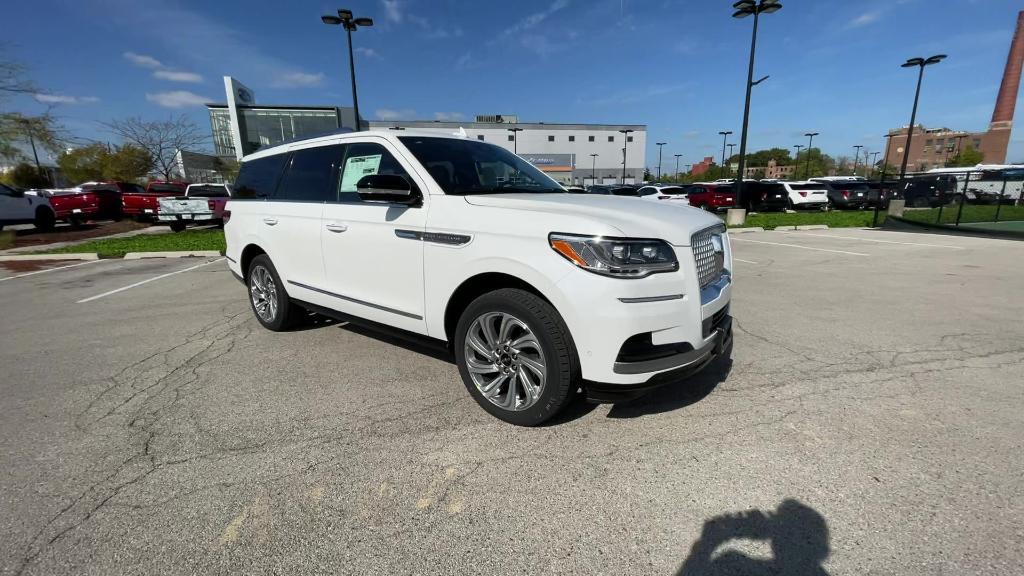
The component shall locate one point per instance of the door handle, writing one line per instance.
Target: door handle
(335, 227)
(270, 221)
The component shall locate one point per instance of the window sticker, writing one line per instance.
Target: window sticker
(356, 167)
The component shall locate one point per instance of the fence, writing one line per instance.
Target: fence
(985, 200)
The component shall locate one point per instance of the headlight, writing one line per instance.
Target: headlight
(617, 257)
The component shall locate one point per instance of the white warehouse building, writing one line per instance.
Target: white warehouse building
(563, 151)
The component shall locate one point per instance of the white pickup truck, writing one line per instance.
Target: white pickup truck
(202, 203)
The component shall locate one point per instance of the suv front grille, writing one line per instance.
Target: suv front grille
(710, 262)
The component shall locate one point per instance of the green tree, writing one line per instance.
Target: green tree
(25, 175)
(968, 156)
(227, 168)
(761, 158)
(126, 163)
(83, 164)
(820, 165)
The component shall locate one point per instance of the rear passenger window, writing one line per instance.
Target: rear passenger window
(365, 160)
(258, 178)
(310, 175)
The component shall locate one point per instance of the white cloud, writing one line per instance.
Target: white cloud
(177, 76)
(691, 134)
(393, 10)
(177, 99)
(865, 19)
(368, 52)
(441, 33)
(143, 60)
(449, 116)
(64, 99)
(389, 114)
(536, 18)
(465, 62)
(298, 80)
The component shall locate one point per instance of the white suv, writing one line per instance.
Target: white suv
(806, 195)
(538, 292)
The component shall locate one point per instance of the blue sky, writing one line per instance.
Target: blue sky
(677, 66)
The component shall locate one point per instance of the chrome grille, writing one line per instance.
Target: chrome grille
(709, 262)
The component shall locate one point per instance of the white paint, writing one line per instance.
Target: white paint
(51, 270)
(744, 261)
(146, 281)
(799, 246)
(886, 241)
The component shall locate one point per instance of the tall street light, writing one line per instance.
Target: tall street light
(746, 8)
(796, 159)
(593, 168)
(881, 180)
(677, 164)
(874, 161)
(731, 146)
(920, 63)
(810, 146)
(625, 142)
(515, 139)
(659, 144)
(345, 18)
(856, 158)
(725, 136)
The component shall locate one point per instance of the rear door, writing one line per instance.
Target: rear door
(372, 250)
(14, 206)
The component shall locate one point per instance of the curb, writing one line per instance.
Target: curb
(784, 228)
(183, 254)
(38, 257)
(812, 227)
(745, 230)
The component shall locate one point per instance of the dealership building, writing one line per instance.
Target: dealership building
(569, 153)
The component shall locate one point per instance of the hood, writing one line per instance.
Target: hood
(633, 217)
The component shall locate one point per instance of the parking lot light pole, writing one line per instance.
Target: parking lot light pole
(659, 144)
(796, 159)
(856, 157)
(746, 8)
(881, 179)
(351, 24)
(920, 63)
(725, 136)
(677, 164)
(593, 168)
(810, 145)
(731, 146)
(515, 139)
(625, 142)
(874, 161)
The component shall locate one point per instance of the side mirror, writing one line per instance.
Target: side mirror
(388, 188)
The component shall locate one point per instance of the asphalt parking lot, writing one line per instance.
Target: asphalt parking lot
(873, 413)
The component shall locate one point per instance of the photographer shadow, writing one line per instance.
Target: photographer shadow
(798, 536)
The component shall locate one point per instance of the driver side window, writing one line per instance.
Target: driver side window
(365, 159)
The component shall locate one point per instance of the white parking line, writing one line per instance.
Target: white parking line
(742, 260)
(884, 241)
(799, 246)
(146, 281)
(51, 269)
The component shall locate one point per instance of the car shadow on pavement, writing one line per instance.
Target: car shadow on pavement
(797, 534)
(676, 394)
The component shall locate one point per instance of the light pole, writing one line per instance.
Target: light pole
(810, 144)
(659, 144)
(959, 139)
(796, 159)
(874, 161)
(677, 165)
(515, 139)
(729, 172)
(746, 8)
(881, 180)
(920, 63)
(856, 158)
(351, 24)
(593, 168)
(625, 142)
(725, 136)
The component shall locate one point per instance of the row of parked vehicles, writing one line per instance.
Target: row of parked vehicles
(174, 203)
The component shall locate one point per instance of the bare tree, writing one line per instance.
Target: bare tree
(161, 139)
(13, 78)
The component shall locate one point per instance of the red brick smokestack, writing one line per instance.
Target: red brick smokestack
(1002, 116)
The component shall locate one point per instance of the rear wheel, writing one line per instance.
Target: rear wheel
(267, 296)
(45, 219)
(516, 357)
(177, 226)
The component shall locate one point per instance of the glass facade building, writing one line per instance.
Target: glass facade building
(262, 126)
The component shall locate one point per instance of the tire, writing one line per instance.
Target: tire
(177, 226)
(75, 222)
(830, 205)
(551, 346)
(705, 207)
(280, 313)
(45, 219)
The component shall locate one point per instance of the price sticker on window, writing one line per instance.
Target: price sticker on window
(356, 167)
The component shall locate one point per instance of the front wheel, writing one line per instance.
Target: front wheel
(45, 219)
(267, 296)
(516, 357)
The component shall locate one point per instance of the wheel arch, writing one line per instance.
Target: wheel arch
(475, 286)
(250, 252)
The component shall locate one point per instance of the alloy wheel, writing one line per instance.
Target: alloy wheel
(264, 293)
(505, 361)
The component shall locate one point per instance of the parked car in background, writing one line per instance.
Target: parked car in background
(575, 190)
(112, 196)
(879, 193)
(201, 204)
(758, 196)
(806, 195)
(538, 293)
(145, 205)
(17, 207)
(845, 193)
(663, 192)
(71, 205)
(712, 197)
(613, 190)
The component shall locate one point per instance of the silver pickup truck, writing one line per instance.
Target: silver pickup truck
(201, 204)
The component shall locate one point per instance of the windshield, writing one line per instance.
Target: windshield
(208, 191)
(806, 186)
(463, 167)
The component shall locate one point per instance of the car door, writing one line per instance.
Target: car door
(373, 250)
(15, 206)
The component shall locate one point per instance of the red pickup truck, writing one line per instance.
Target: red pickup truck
(146, 204)
(83, 203)
(713, 197)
